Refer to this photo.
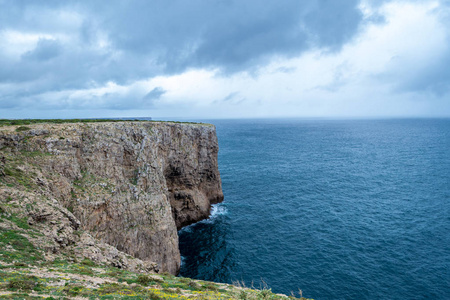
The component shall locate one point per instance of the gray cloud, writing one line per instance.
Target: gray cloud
(149, 38)
(129, 101)
(232, 35)
(156, 93)
(434, 79)
(126, 100)
(233, 98)
(45, 50)
(85, 44)
(230, 96)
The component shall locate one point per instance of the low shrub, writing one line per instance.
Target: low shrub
(143, 280)
(25, 284)
(72, 290)
(22, 128)
(88, 262)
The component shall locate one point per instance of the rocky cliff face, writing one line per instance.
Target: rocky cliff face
(129, 185)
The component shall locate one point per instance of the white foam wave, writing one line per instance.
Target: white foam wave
(216, 211)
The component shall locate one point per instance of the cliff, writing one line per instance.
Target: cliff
(114, 192)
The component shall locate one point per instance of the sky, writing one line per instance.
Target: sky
(224, 58)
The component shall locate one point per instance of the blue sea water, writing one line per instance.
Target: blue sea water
(347, 209)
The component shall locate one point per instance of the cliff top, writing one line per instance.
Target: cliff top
(11, 122)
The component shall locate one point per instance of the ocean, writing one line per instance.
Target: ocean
(340, 209)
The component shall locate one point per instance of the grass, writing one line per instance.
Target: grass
(9, 122)
(15, 247)
(20, 222)
(114, 284)
(32, 154)
(88, 262)
(18, 176)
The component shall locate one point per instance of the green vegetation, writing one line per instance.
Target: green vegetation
(18, 176)
(8, 122)
(88, 262)
(18, 167)
(59, 279)
(25, 273)
(32, 154)
(134, 179)
(143, 280)
(15, 248)
(22, 128)
(20, 222)
(24, 283)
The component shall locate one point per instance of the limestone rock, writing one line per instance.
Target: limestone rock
(128, 185)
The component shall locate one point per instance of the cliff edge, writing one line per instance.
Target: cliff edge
(115, 192)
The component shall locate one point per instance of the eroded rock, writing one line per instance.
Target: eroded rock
(128, 186)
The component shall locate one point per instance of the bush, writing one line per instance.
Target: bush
(72, 290)
(143, 280)
(210, 287)
(88, 262)
(22, 128)
(194, 285)
(26, 284)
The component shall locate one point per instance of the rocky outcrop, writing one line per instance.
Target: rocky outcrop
(128, 185)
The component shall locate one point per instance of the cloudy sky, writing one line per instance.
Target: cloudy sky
(224, 58)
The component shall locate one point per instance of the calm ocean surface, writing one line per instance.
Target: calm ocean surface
(340, 209)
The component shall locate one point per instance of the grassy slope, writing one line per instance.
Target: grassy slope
(60, 279)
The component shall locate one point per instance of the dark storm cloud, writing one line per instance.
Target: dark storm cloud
(232, 35)
(148, 38)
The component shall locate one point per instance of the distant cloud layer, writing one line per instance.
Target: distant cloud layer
(226, 58)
